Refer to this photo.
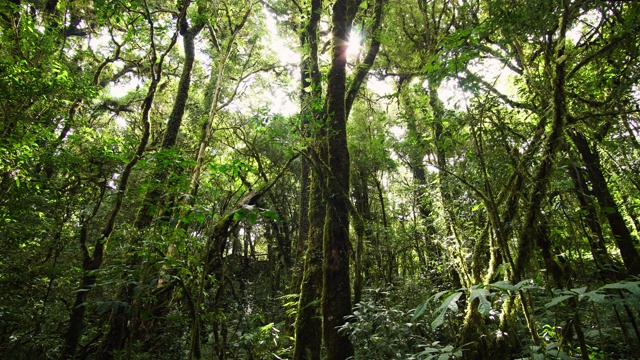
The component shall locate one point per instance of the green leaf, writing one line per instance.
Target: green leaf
(271, 215)
(594, 296)
(437, 321)
(239, 215)
(419, 311)
(438, 295)
(200, 218)
(632, 287)
(527, 284)
(484, 305)
(450, 303)
(252, 217)
(580, 290)
(504, 285)
(557, 300)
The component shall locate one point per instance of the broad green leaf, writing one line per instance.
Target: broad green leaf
(451, 302)
(580, 290)
(437, 321)
(438, 295)
(623, 285)
(252, 217)
(504, 285)
(271, 215)
(239, 215)
(419, 311)
(484, 305)
(557, 300)
(594, 296)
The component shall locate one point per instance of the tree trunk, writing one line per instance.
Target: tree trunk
(336, 293)
(310, 98)
(530, 229)
(532, 232)
(308, 329)
(608, 205)
(308, 279)
(90, 264)
(445, 193)
(115, 338)
(153, 196)
(597, 244)
(361, 195)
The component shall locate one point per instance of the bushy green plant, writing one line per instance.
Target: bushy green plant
(263, 342)
(380, 330)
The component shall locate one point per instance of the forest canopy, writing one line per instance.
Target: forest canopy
(319, 179)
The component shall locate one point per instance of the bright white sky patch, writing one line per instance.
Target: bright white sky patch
(280, 101)
(452, 95)
(355, 45)
(586, 22)
(279, 45)
(121, 89)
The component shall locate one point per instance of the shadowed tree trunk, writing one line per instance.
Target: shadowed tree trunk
(594, 236)
(607, 204)
(307, 277)
(153, 196)
(92, 263)
(308, 329)
(116, 337)
(329, 202)
(532, 232)
(361, 197)
(336, 294)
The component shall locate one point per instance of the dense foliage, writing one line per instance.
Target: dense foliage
(363, 179)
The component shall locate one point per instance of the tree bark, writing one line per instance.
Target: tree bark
(153, 196)
(308, 280)
(595, 237)
(608, 205)
(336, 293)
(308, 329)
(310, 100)
(92, 263)
(530, 230)
(115, 338)
(361, 195)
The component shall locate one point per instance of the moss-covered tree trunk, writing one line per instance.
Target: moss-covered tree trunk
(361, 195)
(115, 337)
(336, 294)
(594, 235)
(533, 231)
(92, 263)
(308, 329)
(155, 193)
(608, 205)
(307, 277)
(310, 100)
